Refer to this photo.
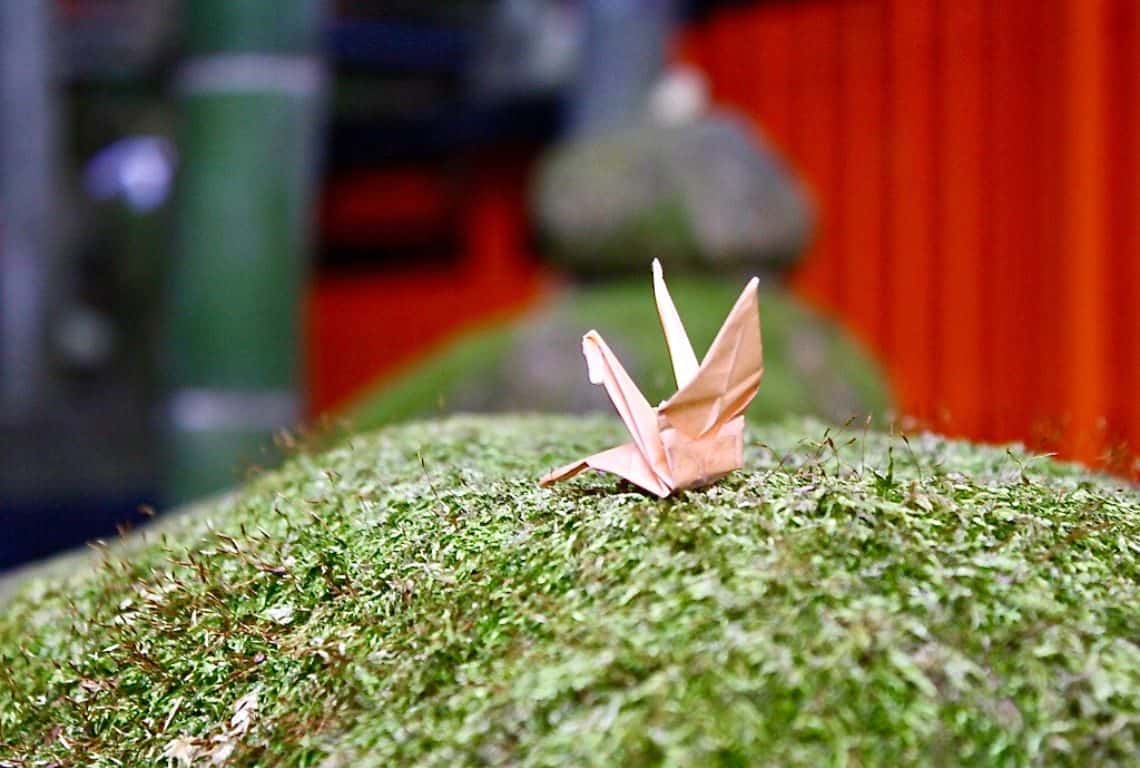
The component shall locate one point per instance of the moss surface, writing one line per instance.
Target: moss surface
(412, 598)
(838, 378)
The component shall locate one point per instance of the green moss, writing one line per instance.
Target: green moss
(425, 388)
(838, 377)
(664, 230)
(412, 598)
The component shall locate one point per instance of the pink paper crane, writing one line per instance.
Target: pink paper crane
(697, 435)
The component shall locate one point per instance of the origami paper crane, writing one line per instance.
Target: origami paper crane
(697, 435)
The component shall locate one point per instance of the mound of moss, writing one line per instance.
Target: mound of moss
(412, 598)
(534, 363)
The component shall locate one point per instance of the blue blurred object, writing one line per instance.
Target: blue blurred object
(625, 44)
(371, 142)
(435, 89)
(40, 527)
(401, 47)
(527, 46)
(137, 169)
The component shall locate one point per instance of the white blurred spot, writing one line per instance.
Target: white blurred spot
(84, 337)
(680, 96)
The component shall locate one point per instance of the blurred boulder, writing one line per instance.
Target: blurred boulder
(707, 191)
(535, 363)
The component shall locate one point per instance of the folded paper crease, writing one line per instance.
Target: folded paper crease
(697, 435)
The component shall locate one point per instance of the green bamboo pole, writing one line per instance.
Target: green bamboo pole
(249, 97)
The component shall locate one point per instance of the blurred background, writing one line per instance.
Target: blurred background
(222, 220)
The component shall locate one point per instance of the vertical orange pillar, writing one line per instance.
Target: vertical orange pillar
(1017, 320)
(815, 99)
(862, 165)
(772, 43)
(1131, 96)
(960, 379)
(1084, 353)
(911, 241)
(1123, 144)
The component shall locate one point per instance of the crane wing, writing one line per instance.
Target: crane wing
(729, 376)
(680, 348)
(635, 411)
(624, 461)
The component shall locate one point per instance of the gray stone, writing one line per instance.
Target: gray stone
(704, 192)
(534, 363)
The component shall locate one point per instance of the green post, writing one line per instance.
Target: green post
(249, 95)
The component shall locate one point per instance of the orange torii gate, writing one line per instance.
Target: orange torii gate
(977, 169)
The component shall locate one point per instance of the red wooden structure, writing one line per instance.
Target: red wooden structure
(976, 165)
(363, 326)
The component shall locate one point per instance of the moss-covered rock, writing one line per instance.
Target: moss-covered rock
(535, 363)
(709, 191)
(412, 598)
